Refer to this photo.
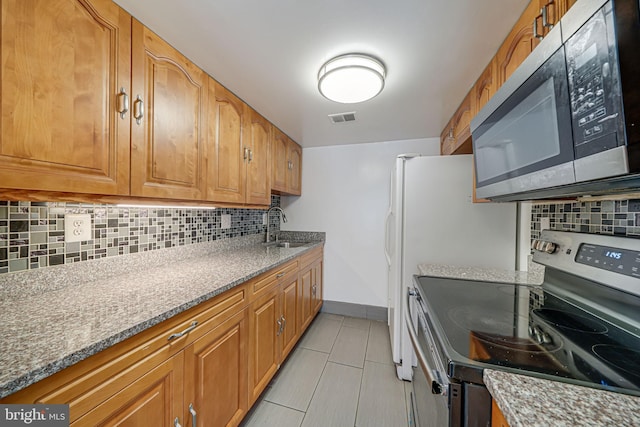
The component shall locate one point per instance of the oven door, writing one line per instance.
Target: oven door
(522, 139)
(429, 397)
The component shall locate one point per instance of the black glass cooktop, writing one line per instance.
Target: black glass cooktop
(537, 330)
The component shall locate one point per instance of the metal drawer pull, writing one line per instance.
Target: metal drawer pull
(176, 422)
(436, 387)
(138, 109)
(279, 275)
(193, 415)
(186, 331)
(123, 102)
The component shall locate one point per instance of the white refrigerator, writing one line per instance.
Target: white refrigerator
(432, 219)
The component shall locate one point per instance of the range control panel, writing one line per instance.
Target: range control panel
(613, 261)
(621, 261)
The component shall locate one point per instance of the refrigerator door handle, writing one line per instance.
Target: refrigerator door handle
(386, 237)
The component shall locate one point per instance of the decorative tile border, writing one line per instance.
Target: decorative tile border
(620, 217)
(32, 233)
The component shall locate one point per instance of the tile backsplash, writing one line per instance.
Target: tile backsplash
(32, 233)
(620, 217)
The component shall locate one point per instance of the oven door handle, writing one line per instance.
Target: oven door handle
(436, 387)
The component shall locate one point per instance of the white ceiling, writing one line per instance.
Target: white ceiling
(268, 52)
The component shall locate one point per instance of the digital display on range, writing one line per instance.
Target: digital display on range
(621, 261)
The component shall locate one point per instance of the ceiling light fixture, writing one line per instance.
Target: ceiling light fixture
(351, 78)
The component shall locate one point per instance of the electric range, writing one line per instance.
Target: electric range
(582, 326)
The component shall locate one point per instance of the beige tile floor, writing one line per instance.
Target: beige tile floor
(340, 374)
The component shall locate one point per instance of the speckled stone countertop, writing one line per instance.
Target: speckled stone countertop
(534, 276)
(54, 317)
(534, 402)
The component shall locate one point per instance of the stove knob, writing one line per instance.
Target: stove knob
(534, 243)
(549, 247)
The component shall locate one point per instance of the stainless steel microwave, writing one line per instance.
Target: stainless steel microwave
(567, 122)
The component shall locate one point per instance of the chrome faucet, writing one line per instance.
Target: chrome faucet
(284, 219)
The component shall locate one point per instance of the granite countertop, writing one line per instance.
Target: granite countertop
(54, 317)
(534, 276)
(535, 402)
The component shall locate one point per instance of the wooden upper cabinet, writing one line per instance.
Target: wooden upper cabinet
(168, 108)
(456, 137)
(294, 171)
(519, 43)
(286, 164)
(279, 160)
(485, 88)
(63, 64)
(258, 142)
(225, 149)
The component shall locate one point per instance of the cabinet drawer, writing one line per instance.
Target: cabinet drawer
(309, 257)
(269, 280)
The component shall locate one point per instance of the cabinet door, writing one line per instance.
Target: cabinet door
(305, 298)
(316, 288)
(289, 309)
(484, 88)
(63, 64)
(259, 160)
(169, 98)
(294, 170)
(279, 160)
(216, 375)
(461, 124)
(263, 340)
(519, 43)
(225, 151)
(155, 399)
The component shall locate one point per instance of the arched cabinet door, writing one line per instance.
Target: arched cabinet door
(226, 154)
(63, 64)
(168, 120)
(258, 141)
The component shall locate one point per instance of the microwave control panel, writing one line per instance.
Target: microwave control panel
(594, 86)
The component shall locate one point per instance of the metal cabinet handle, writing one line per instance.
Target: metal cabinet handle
(250, 155)
(279, 275)
(123, 102)
(313, 289)
(193, 415)
(138, 109)
(279, 322)
(535, 26)
(176, 422)
(545, 14)
(246, 153)
(186, 331)
(436, 387)
(284, 323)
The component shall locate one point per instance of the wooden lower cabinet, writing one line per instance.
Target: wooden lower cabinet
(273, 330)
(230, 348)
(310, 287)
(216, 375)
(155, 399)
(497, 417)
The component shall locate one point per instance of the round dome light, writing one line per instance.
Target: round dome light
(351, 78)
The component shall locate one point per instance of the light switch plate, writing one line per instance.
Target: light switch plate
(77, 227)
(225, 221)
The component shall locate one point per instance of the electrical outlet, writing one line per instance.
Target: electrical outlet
(77, 227)
(225, 221)
(544, 223)
(264, 219)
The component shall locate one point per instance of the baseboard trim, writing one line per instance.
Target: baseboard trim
(370, 312)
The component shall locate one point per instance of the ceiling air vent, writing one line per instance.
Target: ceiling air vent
(342, 117)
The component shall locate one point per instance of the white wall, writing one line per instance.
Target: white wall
(345, 193)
